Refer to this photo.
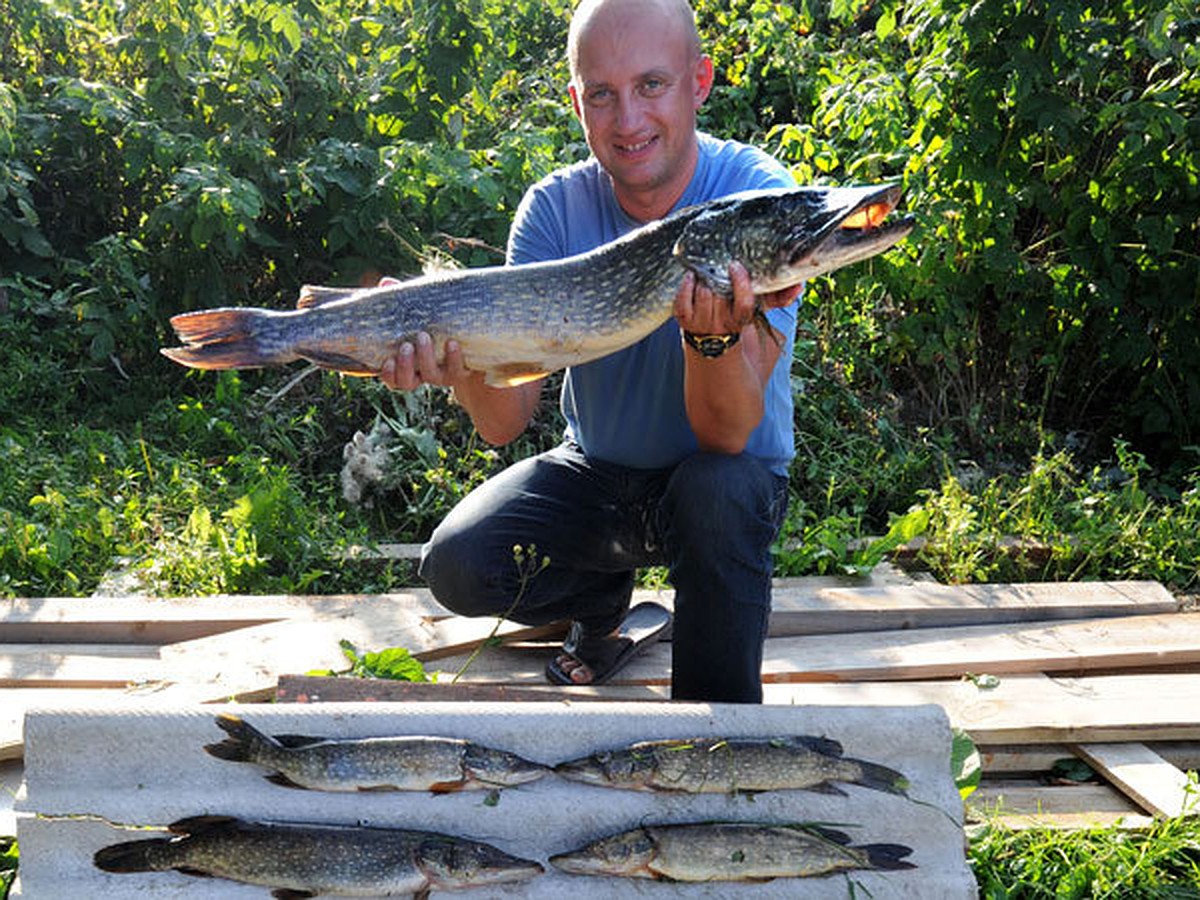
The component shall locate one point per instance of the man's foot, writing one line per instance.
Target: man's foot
(590, 659)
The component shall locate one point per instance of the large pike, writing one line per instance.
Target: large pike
(728, 852)
(518, 323)
(416, 763)
(720, 765)
(299, 861)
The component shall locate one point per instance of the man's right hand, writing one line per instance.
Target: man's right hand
(413, 366)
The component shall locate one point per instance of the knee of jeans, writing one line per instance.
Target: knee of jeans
(717, 493)
(457, 576)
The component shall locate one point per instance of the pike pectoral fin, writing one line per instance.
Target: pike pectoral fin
(513, 374)
(338, 362)
(291, 894)
(825, 787)
(293, 741)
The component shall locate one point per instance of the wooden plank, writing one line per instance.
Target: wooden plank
(799, 610)
(315, 689)
(919, 654)
(1143, 776)
(78, 666)
(1008, 759)
(1023, 710)
(1028, 805)
(147, 620)
(457, 635)
(247, 663)
(1035, 709)
(125, 620)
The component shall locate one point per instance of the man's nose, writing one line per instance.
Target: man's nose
(630, 111)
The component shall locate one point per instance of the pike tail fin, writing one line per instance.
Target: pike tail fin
(243, 738)
(887, 856)
(881, 778)
(226, 339)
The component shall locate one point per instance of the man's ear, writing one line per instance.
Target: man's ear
(571, 89)
(703, 79)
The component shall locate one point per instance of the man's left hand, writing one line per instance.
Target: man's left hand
(701, 311)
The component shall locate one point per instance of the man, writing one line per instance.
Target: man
(671, 456)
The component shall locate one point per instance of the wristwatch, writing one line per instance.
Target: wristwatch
(710, 345)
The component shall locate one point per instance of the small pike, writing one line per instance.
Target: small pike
(728, 852)
(308, 861)
(435, 764)
(718, 765)
(519, 323)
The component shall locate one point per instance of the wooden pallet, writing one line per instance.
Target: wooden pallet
(1094, 669)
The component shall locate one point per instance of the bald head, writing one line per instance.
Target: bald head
(675, 17)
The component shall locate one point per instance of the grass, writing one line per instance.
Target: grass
(1161, 862)
(231, 483)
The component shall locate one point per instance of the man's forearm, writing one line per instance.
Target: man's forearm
(724, 396)
(499, 414)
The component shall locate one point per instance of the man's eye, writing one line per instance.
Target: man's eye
(653, 86)
(599, 97)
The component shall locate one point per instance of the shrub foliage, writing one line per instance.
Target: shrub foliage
(163, 156)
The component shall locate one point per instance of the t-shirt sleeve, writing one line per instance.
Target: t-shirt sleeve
(535, 235)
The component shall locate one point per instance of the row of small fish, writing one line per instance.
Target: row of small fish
(438, 764)
(301, 861)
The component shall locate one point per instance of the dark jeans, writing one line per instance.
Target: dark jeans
(711, 519)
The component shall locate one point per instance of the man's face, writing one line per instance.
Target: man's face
(636, 90)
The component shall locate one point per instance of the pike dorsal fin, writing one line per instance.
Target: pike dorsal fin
(314, 295)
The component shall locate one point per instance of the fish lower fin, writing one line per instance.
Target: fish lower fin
(291, 894)
(824, 787)
(223, 339)
(513, 374)
(887, 856)
(294, 741)
(337, 362)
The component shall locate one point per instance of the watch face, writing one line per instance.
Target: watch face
(710, 345)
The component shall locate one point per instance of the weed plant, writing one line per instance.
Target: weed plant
(1160, 862)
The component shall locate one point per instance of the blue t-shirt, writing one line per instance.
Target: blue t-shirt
(628, 408)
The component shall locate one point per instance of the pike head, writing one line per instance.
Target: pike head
(788, 235)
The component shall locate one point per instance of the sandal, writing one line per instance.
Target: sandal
(605, 656)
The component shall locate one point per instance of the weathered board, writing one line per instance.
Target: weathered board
(1145, 777)
(1027, 804)
(924, 653)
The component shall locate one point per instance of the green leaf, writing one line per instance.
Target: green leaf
(886, 24)
(965, 764)
(395, 663)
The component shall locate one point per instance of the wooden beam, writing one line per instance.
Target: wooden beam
(75, 665)
(311, 689)
(800, 609)
(918, 654)
(144, 620)
(1031, 805)
(1034, 709)
(1145, 777)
